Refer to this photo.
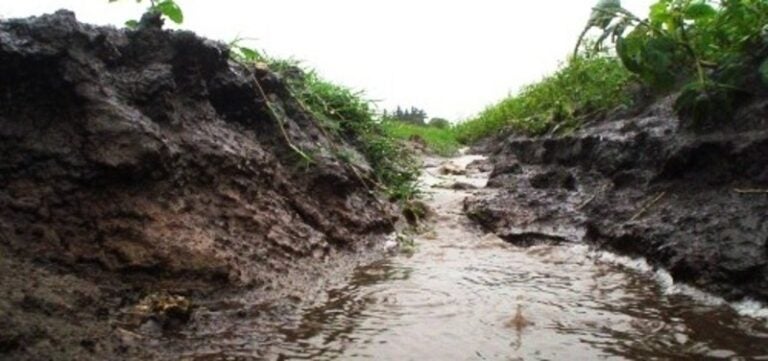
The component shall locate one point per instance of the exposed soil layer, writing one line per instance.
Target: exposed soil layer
(137, 162)
(644, 186)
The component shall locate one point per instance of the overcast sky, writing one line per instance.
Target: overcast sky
(451, 58)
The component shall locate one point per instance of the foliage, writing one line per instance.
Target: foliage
(345, 113)
(439, 123)
(340, 111)
(699, 47)
(440, 140)
(243, 53)
(585, 87)
(166, 8)
(683, 41)
(413, 115)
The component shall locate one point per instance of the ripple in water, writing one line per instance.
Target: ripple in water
(465, 296)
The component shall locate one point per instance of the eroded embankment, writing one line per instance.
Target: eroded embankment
(645, 186)
(139, 162)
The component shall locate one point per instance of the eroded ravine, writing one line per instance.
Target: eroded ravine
(464, 295)
(131, 223)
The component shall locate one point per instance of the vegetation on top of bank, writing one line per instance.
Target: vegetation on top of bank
(339, 111)
(353, 117)
(348, 115)
(168, 9)
(703, 49)
(583, 88)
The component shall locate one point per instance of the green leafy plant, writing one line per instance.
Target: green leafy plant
(166, 8)
(245, 53)
(684, 42)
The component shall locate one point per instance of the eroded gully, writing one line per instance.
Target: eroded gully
(466, 295)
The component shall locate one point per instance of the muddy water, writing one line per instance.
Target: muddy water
(464, 295)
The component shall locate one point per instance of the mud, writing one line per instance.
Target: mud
(462, 294)
(644, 186)
(143, 163)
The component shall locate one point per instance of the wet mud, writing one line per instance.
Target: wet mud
(690, 202)
(465, 294)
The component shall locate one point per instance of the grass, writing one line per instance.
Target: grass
(441, 141)
(581, 89)
(347, 114)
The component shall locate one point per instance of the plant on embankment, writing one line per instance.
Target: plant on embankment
(338, 111)
(703, 48)
(166, 8)
(585, 87)
(347, 114)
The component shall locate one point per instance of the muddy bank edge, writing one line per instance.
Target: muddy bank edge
(688, 201)
(133, 162)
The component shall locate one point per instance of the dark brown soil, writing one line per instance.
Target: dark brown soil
(644, 186)
(138, 162)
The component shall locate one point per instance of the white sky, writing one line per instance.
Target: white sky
(450, 57)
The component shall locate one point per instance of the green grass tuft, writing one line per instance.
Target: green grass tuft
(347, 114)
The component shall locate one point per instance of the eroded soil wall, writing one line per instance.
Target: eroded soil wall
(138, 161)
(645, 186)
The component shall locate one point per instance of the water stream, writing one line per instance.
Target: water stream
(465, 295)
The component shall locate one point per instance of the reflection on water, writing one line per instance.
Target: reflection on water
(466, 296)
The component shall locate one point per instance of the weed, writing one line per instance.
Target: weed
(439, 123)
(166, 8)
